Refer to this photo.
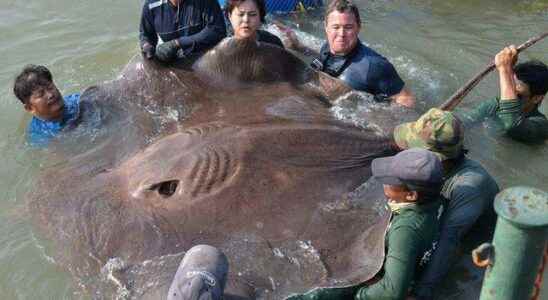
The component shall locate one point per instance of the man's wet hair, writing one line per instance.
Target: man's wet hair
(534, 73)
(232, 4)
(343, 6)
(29, 80)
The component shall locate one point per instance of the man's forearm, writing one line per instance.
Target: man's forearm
(507, 84)
(207, 38)
(504, 61)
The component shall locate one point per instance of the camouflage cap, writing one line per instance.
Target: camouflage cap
(437, 130)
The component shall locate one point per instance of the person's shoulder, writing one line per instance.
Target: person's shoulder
(72, 98)
(156, 2)
(324, 49)
(364, 52)
(210, 2)
(202, 4)
(205, 2)
(34, 125)
(470, 175)
(37, 132)
(470, 165)
(417, 215)
(72, 106)
(403, 221)
(377, 62)
(152, 4)
(537, 114)
(411, 224)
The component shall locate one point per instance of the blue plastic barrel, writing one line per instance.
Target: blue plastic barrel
(284, 6)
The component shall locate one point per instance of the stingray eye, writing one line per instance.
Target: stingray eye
(165, 188)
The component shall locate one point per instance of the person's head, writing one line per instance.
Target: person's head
(531, 83)
(413, 175)
(246, 16)
(34, 87)
(342, 26)
(437, 131)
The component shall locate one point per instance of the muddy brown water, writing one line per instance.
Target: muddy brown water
(435, 45)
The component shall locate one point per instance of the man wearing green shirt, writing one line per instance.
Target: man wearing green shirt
(412, 181)
(522, 89)
(468, 189)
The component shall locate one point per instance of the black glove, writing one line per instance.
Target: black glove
(167, 52)
(382, 98)
(148, 51)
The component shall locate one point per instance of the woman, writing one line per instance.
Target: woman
(246, 17)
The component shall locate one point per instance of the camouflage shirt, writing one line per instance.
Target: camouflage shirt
(528, 128)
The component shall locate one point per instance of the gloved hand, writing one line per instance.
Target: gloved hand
(167, 52)
(148, 51)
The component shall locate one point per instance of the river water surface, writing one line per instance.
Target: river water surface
(435, 45)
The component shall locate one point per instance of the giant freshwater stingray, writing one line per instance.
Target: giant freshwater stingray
(240, 152)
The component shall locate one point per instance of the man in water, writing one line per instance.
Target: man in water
(51, 111)
(412, 180)
(522, 90)
(186, 27)
(346, 57)
(468, 189)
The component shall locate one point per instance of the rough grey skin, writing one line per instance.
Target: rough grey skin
(241, 153)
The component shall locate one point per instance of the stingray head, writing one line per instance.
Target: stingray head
(177, 177)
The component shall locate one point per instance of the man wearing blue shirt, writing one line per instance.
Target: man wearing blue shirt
(516, 109)
(344, 56)
(51, 112)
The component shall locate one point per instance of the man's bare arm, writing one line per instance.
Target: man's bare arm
(504, 61)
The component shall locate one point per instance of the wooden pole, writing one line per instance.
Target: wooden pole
(457, 97)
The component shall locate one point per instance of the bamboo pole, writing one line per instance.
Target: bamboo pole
(457, 97)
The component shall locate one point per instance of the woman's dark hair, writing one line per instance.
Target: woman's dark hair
(534, 73)
(232, 4)
(343, 6)
(29, 80)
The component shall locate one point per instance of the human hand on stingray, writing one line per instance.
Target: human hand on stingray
(148, 51)
(167, 52)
